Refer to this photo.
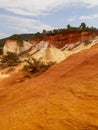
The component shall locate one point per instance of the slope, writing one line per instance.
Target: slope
(63, 98)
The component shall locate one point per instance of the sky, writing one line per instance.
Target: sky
(30, 16)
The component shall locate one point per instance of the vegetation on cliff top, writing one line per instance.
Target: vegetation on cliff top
(69, 28)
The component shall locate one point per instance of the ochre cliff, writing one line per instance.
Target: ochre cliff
(60, 40)
(52, 48)
(63, 98)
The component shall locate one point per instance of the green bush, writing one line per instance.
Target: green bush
(36, 66)
(10, 59)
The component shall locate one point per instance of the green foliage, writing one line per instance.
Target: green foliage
(83, 26)
(10, 59)
(69, 28)
(38, 35)
(36, 66)
(26, 37)
(49, 33)
(92, 29)
(44, 31)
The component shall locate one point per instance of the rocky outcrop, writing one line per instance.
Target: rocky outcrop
(36, 50)
(13, 46)
(54, 55)
(39, 48)
(60, 40)
(47, 51)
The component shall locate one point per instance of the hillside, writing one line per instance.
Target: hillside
(65, 97)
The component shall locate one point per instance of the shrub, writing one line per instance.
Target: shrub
(10, 59)
(36, 66)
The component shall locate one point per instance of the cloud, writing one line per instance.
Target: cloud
(13, 24)
(19, 11)
(94, 16)
(90, 17)
(31, 7)
(41, 7)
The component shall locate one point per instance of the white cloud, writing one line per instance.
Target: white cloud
(19, 11)
(94, 16)
(37, 7)
(14, 24)
(31, 6)
(90, 17)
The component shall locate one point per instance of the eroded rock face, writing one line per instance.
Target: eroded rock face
(39, 48)
(47, 51)
(60, 40)
(54, 55)
(13, 46)
(61, 46)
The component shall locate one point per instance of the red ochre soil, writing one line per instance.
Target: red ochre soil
(60, 40)
(65, 97)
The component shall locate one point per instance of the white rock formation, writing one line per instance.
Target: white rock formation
(13, 46)
(46, 53)
(39, 48)
(54, 55)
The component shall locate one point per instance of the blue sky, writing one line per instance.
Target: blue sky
(29, 16)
